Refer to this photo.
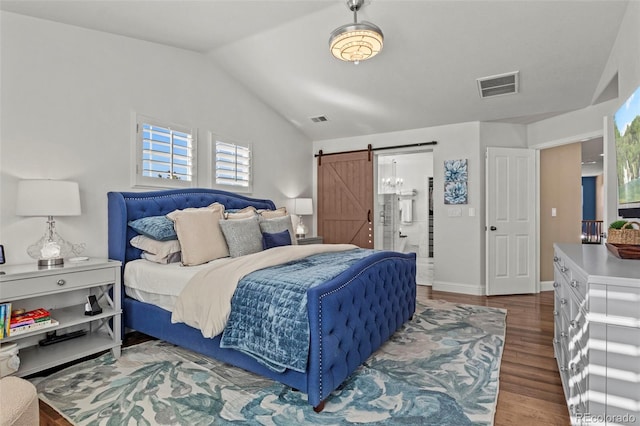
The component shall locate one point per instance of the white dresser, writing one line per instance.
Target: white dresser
(597, 334)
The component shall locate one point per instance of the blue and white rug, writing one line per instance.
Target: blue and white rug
(441, 368)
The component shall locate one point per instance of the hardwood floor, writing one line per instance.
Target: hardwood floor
(530, 389)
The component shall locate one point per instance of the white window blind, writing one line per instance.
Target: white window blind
(165, 154)
(232, 164)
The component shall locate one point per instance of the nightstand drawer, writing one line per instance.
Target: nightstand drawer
(310, 240)
(55, 283)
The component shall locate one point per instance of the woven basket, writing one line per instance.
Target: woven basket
(626, 235)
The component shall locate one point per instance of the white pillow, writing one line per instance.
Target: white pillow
(172, 258)
(268, 214)
(155, 247)
(199, 233)
(247, 212)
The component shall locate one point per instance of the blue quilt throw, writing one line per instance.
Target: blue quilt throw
(269, 320)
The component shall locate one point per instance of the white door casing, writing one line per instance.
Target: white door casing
(510, 221)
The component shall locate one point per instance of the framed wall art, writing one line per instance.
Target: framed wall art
(455, 181)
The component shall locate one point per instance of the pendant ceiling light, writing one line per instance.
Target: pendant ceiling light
(357, 41)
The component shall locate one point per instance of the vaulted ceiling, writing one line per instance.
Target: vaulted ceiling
(434, 51)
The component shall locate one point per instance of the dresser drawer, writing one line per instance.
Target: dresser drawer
(578, 283)
(561, 267)
(562, 301)
(55, 283)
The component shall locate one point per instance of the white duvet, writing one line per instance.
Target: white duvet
(205, 301)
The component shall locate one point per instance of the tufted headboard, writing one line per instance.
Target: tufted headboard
(126, 206)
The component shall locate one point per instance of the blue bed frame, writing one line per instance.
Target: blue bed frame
(350, 316)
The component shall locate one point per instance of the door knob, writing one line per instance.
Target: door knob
(493, 228)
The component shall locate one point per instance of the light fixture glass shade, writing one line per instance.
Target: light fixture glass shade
(48, 198)
(356, 42)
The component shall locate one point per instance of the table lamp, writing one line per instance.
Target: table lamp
(49, 198)
(302, 206)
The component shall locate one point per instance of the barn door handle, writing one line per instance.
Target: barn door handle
(493, 228)
(369, 216)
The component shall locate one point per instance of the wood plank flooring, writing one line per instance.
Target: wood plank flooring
(530, 389)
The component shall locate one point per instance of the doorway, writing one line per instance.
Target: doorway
(403, 208)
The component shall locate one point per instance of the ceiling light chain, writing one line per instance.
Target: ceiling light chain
(358, 41)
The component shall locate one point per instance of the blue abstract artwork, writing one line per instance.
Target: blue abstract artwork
(455, 181)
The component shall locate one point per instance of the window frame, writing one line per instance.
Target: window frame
(138, 180)
(214, 138)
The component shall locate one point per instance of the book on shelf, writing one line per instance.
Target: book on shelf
(33, 327)
(29, 317)
(5, 319)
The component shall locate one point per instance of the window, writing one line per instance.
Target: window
(232, 164)
(165, 155)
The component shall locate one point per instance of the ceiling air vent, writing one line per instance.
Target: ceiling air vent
(496, 85)
(319, 119)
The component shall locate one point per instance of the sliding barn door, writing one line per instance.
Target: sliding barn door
(345, 198)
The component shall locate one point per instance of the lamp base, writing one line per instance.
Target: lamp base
(50, 263)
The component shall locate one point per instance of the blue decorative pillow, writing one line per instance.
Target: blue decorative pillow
(276, 240)
(157, 227)
(278, 224)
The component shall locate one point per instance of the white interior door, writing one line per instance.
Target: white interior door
(511, 221)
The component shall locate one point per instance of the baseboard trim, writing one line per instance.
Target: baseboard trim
(458, 288)
(546, 285)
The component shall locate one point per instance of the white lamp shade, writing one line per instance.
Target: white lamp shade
(42, 197)
(303, 206)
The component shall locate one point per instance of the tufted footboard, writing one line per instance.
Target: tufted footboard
(353, 315)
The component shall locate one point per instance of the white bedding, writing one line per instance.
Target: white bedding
(159, 284)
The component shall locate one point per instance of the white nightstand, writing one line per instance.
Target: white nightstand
(310, 240)
(63, 291)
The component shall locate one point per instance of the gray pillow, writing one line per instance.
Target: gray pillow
(243, 236)
(278, 224)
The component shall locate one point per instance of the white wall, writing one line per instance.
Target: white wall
(597, 120)
(68, 98)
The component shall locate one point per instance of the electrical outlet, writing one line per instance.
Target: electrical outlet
(454, 212)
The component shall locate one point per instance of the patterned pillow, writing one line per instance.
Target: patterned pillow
(243, 236)
(276, 240)
(157, 227)
(278, 224)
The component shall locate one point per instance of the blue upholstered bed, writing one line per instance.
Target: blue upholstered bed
(350, 316)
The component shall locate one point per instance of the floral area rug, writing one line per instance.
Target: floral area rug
(441, 368)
